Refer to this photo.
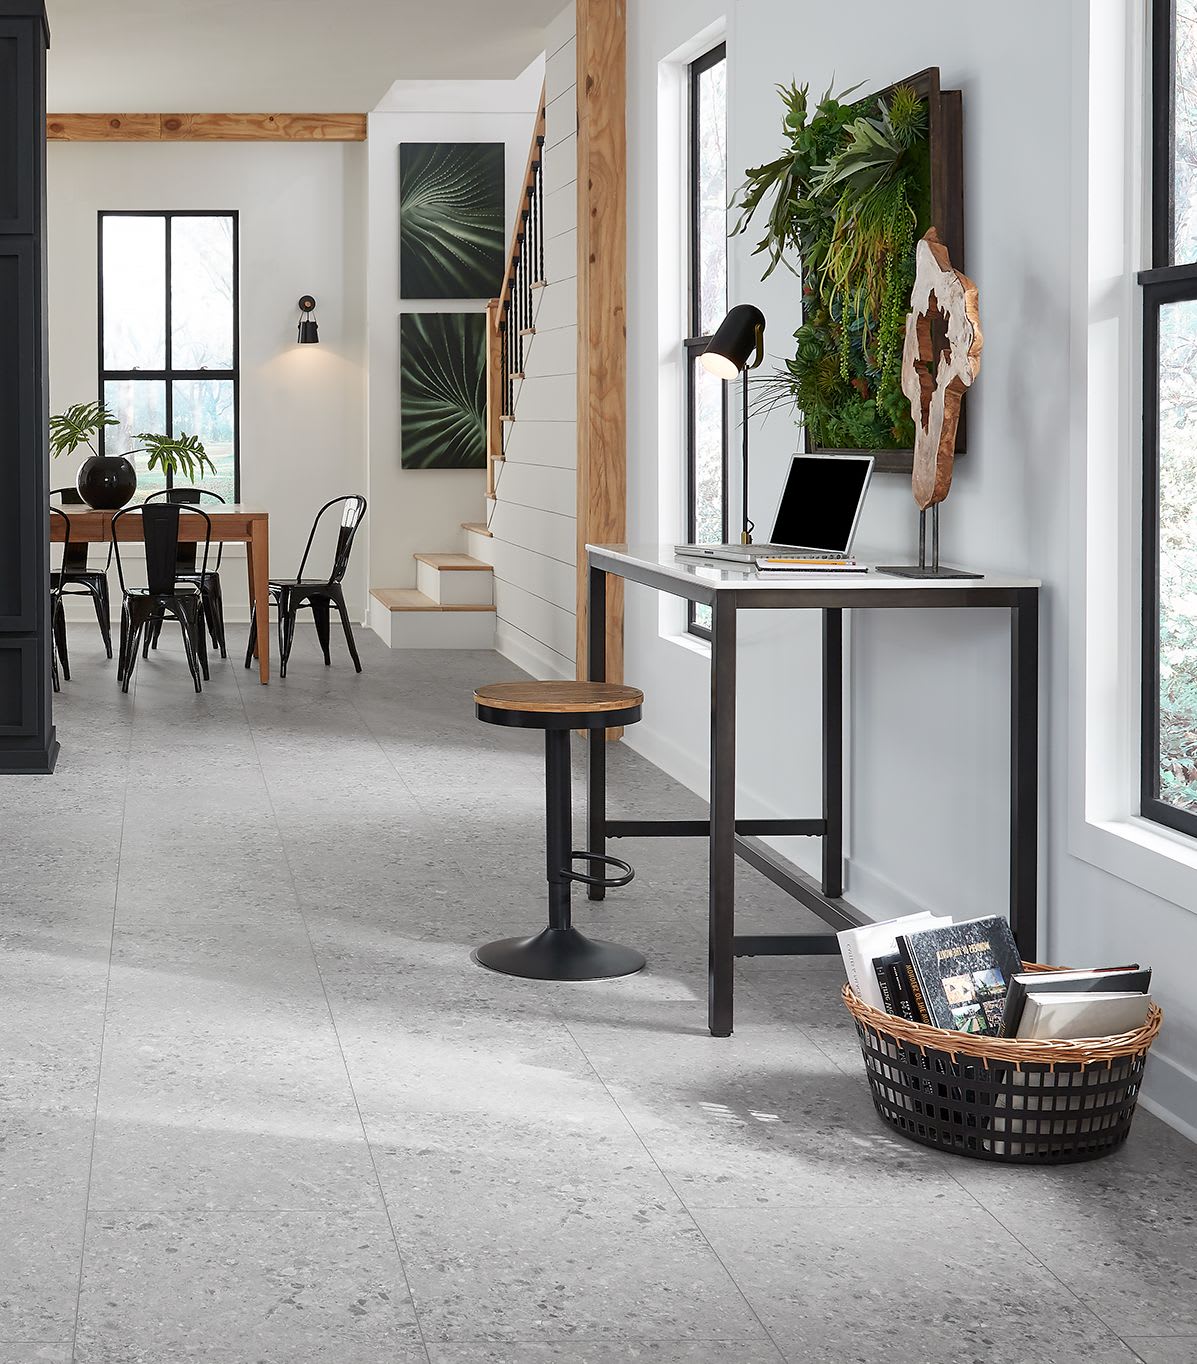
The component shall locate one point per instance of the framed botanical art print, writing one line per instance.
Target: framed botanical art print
(451, 219)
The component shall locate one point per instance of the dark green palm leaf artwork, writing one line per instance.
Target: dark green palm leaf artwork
(443, 398)
(451, 220)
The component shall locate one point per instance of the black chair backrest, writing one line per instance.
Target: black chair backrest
(74, 557)
(189, 497)
(351, 517)
(66, 544)
(160, 532)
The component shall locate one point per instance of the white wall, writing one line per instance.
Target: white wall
(302, 230)
(421, 510)
(533, 520)
(929, 691)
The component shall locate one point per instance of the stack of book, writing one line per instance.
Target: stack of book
(968, 977)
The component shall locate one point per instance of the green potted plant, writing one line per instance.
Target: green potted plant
(107, 482)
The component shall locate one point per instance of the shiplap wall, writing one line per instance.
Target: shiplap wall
(534, 518)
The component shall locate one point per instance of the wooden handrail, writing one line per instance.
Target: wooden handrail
(527, 187)
(511, 313)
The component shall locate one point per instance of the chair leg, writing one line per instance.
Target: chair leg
(103, 615)
(288, 608)
(135, 634)
(216, 620)
(54, 668)
(189, 621)
(321, 613)
(253, 636)
(123, 646)
(201, 644)
(339, 600)
(60, 639)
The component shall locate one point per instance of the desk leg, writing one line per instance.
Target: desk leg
(596, 671)
(721, 951)
(833, 753)
(1024, 773)
(259, 576)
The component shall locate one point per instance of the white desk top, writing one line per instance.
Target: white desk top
(730, 577)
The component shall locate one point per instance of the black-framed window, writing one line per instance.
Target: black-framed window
(706, 395)
(169, 346)
(1169, 730)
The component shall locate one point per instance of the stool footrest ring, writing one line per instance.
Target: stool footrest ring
(610, 882)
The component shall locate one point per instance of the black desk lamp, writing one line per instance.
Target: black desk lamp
(737, 347)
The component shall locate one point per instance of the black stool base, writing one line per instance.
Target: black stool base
(559, 954)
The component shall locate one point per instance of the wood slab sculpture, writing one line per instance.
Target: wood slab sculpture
(941, 358)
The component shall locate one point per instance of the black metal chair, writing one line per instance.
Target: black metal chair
(209, 582)
(560, 952)
(144, 607)
(321, 594)
(76, 574)
(58, 644)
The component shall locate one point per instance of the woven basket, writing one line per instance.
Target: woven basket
(996, 1098)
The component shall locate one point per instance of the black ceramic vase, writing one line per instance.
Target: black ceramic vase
(106, 482)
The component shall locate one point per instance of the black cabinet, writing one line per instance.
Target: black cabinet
(27, 741)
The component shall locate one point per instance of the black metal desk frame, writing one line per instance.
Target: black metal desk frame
(731, 837)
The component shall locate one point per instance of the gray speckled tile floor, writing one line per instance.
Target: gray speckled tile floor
(257, 1103)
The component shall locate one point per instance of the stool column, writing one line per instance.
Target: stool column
(559, 821)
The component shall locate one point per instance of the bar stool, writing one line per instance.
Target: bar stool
(560, 952)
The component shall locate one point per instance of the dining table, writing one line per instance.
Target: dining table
(233, 522)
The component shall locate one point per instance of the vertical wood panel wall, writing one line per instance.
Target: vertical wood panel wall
(533, 520)
(27, 741)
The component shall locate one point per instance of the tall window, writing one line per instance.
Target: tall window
(1170, 430)
(169, 336)
(706, 396)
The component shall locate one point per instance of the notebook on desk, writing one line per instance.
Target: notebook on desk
(817, 513)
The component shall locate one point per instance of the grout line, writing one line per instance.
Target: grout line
(95, 1122)
(670, 1185)
(1014, 1236)
(331, 1014)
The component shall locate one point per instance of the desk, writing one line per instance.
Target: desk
(231, 522)
(727, 591)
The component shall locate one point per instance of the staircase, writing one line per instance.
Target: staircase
(452, 605)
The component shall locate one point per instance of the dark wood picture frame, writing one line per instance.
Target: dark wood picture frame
(945, 125)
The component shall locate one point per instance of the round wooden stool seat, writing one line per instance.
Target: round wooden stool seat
(559, 705)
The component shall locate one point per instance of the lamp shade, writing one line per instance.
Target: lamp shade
(309, 333)
(740, 338)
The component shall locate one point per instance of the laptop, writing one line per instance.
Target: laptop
(817, 513)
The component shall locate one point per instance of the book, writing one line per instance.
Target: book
(805, 567)
(958, 973)
(883, 970)
(859, 947)
(900, 991)
(1082, 1014)
(1126, 979)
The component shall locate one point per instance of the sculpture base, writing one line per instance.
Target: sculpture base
(917, 571)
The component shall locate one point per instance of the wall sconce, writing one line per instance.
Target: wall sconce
(309, 335)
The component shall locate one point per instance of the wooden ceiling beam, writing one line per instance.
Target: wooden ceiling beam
(206, 127)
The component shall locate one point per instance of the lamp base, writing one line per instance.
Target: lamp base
(918, 571)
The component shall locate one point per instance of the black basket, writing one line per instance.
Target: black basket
(1040, 1110)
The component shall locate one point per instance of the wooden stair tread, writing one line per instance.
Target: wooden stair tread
(409, 599)
(478, 527)
(559, 698)
(453, 563)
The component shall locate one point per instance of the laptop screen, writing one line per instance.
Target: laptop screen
(819, 503)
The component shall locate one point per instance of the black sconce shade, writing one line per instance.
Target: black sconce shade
(309, 334)
(740, 338)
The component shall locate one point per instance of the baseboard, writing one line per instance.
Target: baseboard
(1170, 1092)
(536, 659)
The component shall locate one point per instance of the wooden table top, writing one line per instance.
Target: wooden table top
(230, 521)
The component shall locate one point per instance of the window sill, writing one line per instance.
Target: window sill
(1143, 854)
(694, 644)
